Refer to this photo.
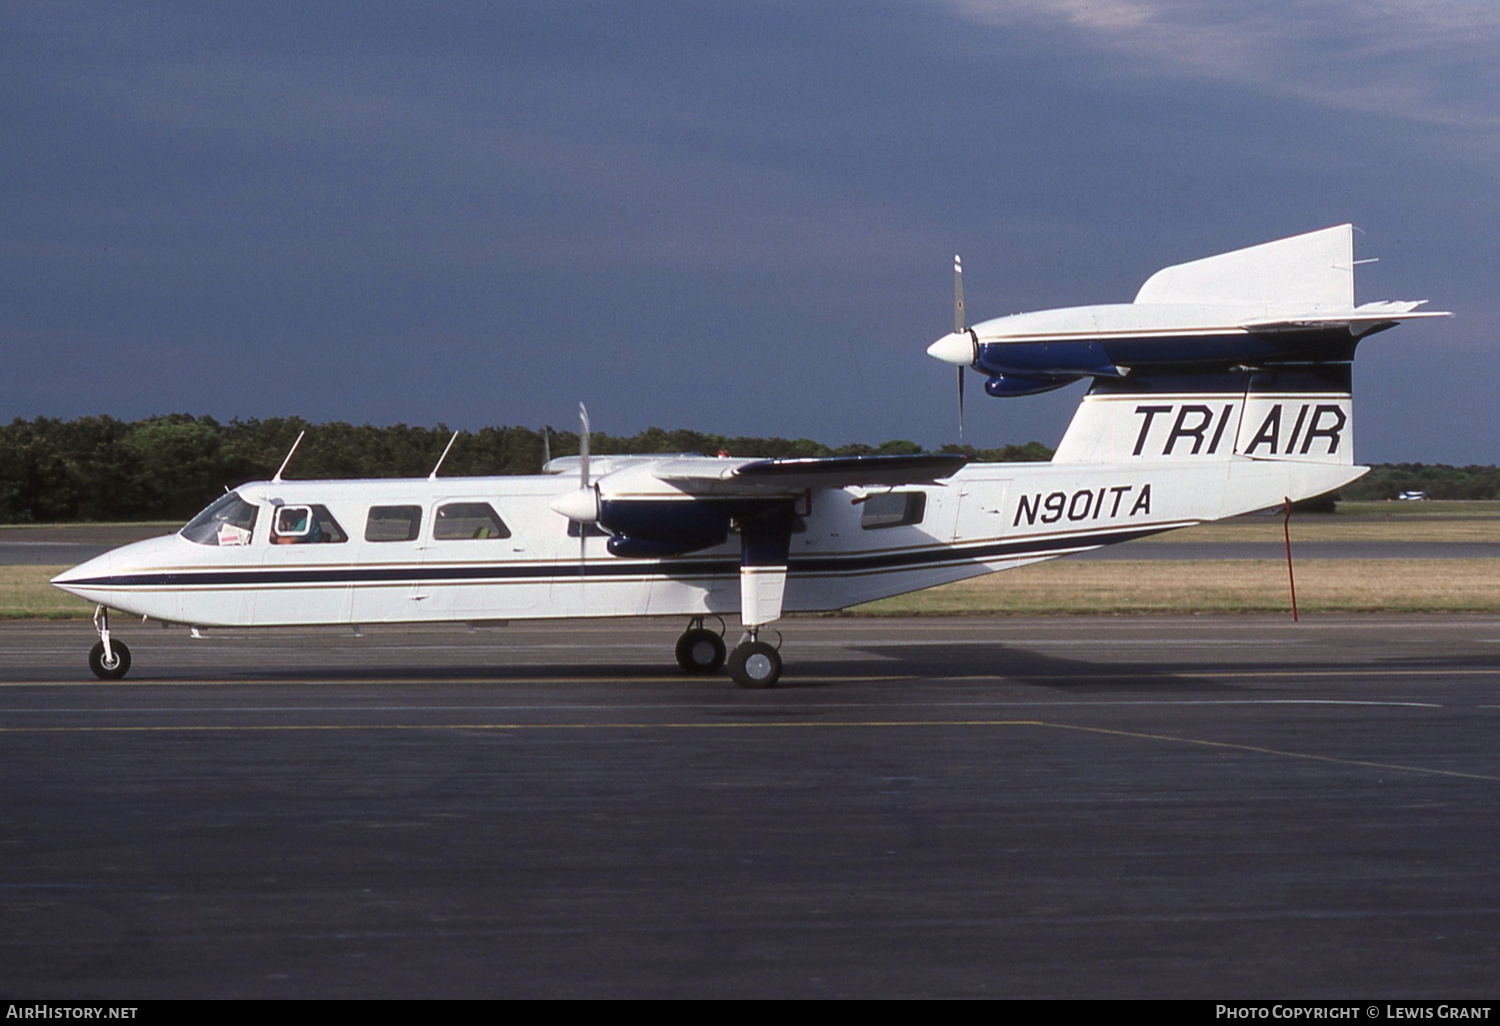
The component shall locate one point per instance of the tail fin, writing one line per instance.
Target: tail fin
(1307, 271)
(1301, 413)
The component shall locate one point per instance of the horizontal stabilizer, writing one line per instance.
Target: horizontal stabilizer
(1359, 321)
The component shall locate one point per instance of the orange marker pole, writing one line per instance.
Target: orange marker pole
(1286, 530)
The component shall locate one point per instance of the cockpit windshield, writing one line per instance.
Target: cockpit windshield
(229, 521)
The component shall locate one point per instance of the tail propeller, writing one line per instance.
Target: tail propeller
(583, 484)
(960, 326)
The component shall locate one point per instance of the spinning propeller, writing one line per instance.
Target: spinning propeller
(582, 504)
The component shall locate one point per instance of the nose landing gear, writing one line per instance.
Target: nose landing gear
(109, 660)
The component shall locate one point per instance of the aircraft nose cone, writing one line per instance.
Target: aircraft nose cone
(955, 347)
(99, 566)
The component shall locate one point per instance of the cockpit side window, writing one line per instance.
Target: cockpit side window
(302, 525)
(393, 523)
(465, 520)
(229, 521)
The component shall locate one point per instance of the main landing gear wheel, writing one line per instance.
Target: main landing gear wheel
(700, 651)
(106, 669)
(755, 665)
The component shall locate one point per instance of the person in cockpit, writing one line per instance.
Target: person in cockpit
(295, 526)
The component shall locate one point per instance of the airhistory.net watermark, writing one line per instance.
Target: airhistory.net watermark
(41, 1011)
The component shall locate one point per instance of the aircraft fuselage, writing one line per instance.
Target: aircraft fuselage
(850, 545)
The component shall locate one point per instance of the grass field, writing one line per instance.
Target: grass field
(25, 594)
(1364, 521)
(1214, 586)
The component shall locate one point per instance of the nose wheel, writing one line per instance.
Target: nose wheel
(111, 665)
(109, 659)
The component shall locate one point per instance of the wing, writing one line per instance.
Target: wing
(796, 474)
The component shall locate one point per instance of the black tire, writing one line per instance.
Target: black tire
(115, 671)
(700, 651)
(755, 665)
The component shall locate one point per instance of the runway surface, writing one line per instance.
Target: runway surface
(1086, 806)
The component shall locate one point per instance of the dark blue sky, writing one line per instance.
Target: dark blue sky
(734, 217)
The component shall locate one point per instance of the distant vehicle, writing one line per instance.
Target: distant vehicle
(1412, 497)
(1223, 389)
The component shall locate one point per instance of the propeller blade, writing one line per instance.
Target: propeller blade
(960, 325)
(582, 503)
(960, 404)
(583, 474)
(583, 445)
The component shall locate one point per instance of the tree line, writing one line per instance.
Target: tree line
(169, 467)
(1439, 481)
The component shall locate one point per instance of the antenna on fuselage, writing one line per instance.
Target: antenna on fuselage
(546, 445)
(289, 456)
(433, 476)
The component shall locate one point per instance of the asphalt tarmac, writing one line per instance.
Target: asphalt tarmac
(1200, 807)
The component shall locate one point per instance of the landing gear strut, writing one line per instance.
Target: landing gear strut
(700, 650)
(755, 664)
(110, 660)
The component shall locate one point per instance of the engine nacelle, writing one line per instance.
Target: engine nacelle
(1005, 385)
(645, 528)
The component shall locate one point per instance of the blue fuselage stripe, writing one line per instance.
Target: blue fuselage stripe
(1101, 355)
(608, 567)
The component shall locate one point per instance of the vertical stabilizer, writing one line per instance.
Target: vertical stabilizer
(1299, 414)
(1308, 271)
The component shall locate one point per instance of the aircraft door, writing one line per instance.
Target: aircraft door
(474, 563)
(978, 510)
(307, 561)
(389, 586)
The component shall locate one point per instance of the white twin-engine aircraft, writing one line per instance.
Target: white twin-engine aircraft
(1224, 388)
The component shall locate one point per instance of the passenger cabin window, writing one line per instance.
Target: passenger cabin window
(893, 509)
(468, 520)
(393, 523)
(303, 525)
(229, 521)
